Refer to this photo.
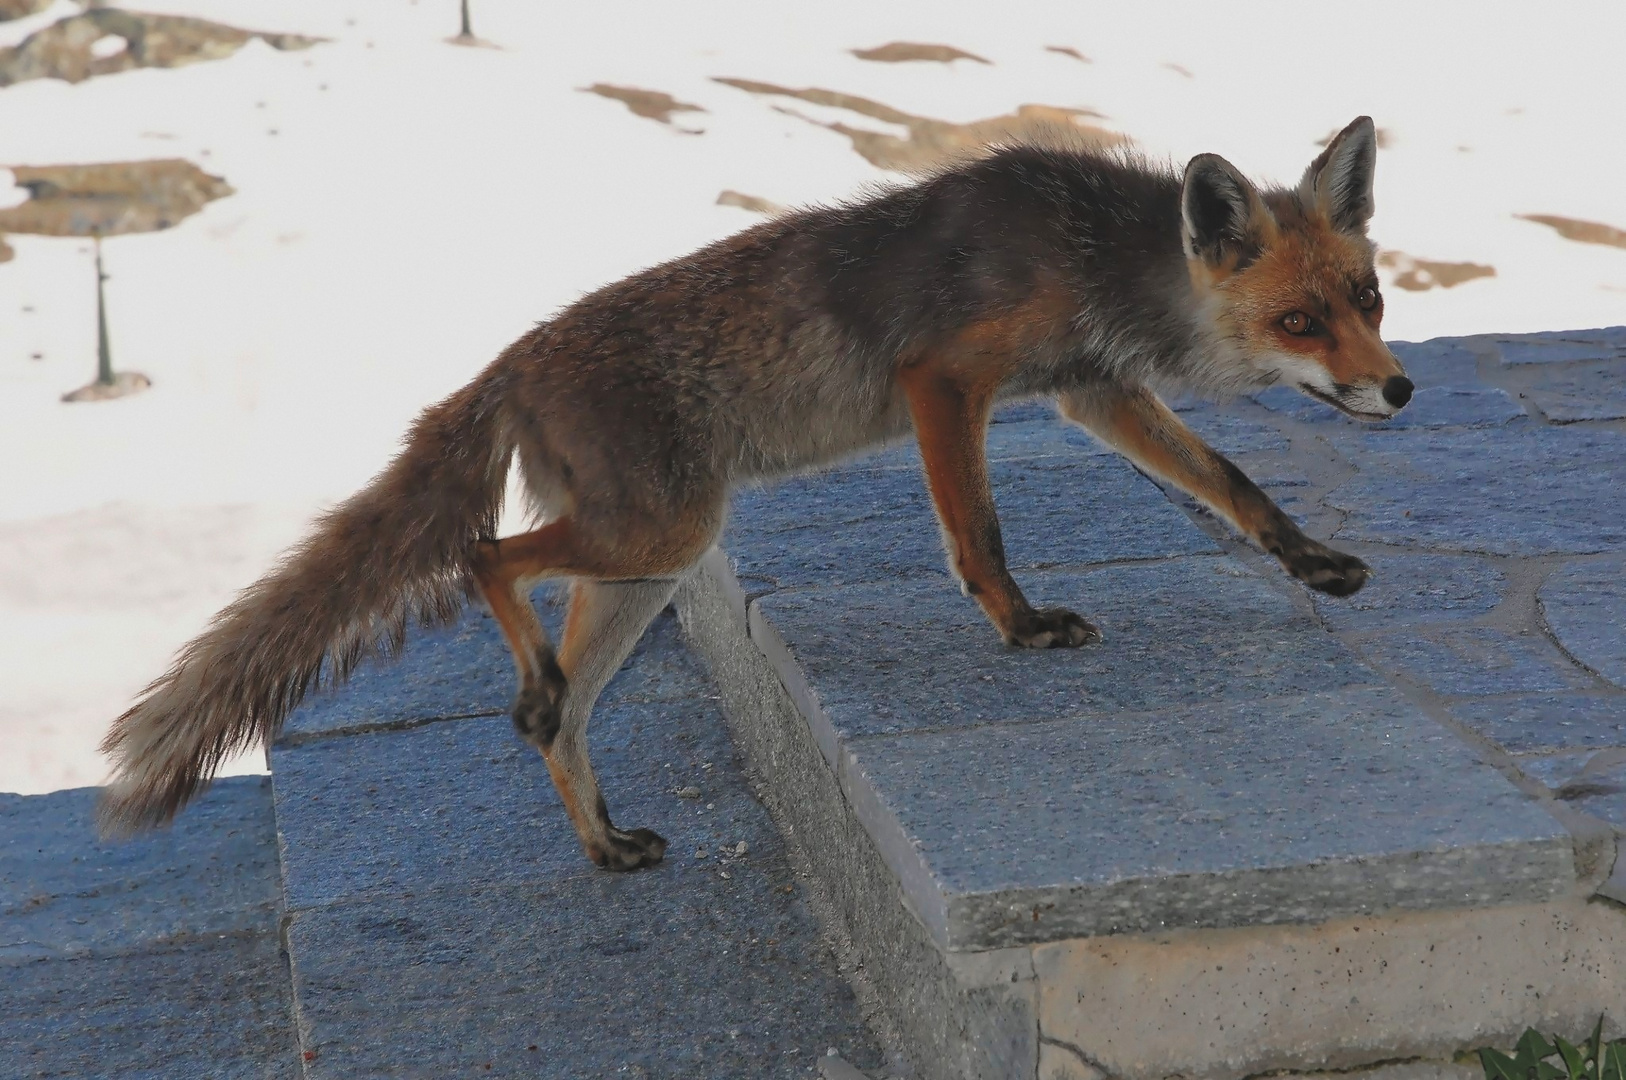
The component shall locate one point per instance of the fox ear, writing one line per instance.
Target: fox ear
(1221, 214)
(1338, 183)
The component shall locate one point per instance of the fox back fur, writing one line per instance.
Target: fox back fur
(1092, 279)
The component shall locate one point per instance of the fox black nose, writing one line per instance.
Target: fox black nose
(1397, 391)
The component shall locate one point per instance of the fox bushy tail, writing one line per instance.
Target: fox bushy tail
(397, 550)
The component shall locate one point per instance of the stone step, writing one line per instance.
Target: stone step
(156, 958)
(442, 917)
(1250, 830)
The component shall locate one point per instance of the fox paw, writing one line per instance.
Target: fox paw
(538, 707)
(1328, 571)
(624, 850)
(1052, 628)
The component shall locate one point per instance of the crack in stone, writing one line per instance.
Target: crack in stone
(1077, 1051)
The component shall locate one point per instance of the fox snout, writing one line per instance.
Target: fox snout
(1370, 399)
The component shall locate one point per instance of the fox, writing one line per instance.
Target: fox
(1096, 279)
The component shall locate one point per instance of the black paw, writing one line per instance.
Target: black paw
(1328, 571)
(538, 707)
(627, 850)
(1052, 628)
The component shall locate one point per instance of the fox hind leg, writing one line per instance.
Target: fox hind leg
(542, 682)
(620, 587)
(606, 620)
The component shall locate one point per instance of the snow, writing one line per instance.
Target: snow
(405, 207)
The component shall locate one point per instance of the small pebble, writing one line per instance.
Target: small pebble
(724, 874)
(711, 806)
(688, 793)
(740, 848)
(700, 853)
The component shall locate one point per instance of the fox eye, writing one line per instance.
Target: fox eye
(1297, 323)
(1367, 298)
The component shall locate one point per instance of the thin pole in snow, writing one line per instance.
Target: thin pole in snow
(104, 355)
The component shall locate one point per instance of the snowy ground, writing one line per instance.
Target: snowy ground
(405, 207)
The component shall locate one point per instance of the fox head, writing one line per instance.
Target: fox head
(1287, 276)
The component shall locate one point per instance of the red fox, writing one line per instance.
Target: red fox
(1085, 277)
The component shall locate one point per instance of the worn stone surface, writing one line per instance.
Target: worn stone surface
(1585, 604)
(1445, 362)
(888, 658)
(1020, 431)
(157, 957)
(1593, 780)
(1561, 346)
(214, 1005)
(959, 1021)
(970, 766)
(1477, 660)
(468, 804)
(1534, 722)
(63, 893)
(1223, 1004)
(466, 670)
(1272, 810)
(1535, 491)
(677, 972)
(1229, 432)
(444, 916)
(877, 524)
(1567, 393)
(1409, 590)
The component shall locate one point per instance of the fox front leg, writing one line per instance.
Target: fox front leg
(951, 418)
(1134, 422)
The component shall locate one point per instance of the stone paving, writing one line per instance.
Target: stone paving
(1232, 722)
(442, 919)
(153, 959)
(405, 896)
(1238, 751)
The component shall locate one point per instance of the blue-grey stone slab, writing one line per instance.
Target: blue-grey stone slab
(1585, 604)
(1475, 660)
(1568, 393)
(1026, 433)
(1593, 782)
(63, 893)
(1563, 346)
(1290, 402)
(1440, 406)
(444, 917)
(1230, 430)
(676, 972)
(466, 670)
(211, 1006)
(861, 525)
(1406, 590)
(1512, 491)
(911, 654)
(1256, 812)
(456, 806)
(1536, 722)
(1442, 362)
